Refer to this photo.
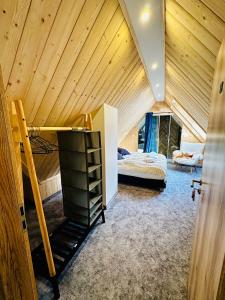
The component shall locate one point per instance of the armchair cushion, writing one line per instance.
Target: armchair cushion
(185, 158)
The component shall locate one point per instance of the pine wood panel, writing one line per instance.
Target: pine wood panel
(17, 277)
(206, 279)
(188, 38)
(64, 58)
(186, 119)
(194, 32)
(63, 67)
(71, 53)
(35, 33)
(12, 22)
(218, 7)
(205, 17)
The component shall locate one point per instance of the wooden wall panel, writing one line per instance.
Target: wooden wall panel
(50, 186)
(65, 66)
(17, 276)
(65, 58)
(12, 22)
(194, 32)
(35, 33)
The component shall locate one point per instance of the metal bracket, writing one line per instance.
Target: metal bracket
(23, 217)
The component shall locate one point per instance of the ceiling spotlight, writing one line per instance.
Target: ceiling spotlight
(145, 14)
(157, 85)
(154, 66)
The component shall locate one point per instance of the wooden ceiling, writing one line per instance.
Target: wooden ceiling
(65, 58)
(194, 32)
(62, 67)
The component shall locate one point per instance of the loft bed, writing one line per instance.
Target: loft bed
(148, 170)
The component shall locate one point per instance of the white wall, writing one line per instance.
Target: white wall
(106, 121)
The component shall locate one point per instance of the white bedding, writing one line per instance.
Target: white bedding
(144, 165)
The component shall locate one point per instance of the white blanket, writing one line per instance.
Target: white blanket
(144, 165)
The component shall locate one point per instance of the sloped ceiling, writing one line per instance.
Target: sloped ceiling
(62, 66)
(194, 32)
(65, 58)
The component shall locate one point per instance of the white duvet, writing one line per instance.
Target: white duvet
(144, 165)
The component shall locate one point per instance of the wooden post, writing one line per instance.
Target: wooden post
(85, 120)
(15, 276)
(35, 186)
(90, 122)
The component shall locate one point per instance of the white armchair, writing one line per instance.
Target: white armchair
(189, 155)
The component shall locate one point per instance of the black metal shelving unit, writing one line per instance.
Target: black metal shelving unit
(81, 176)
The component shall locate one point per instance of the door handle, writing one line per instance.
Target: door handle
(195, 189)
(199, 181)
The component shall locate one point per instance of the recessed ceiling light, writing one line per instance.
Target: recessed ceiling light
(145, 14)
(157, 85)
(154, 66)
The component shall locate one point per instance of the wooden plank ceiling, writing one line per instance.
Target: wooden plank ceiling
(194, 32)
(62, 67)
(65, 58)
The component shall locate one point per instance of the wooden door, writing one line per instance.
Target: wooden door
(16, 272)
(207, 273)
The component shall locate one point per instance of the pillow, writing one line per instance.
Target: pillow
(123, 151)
(188, 155)
(179, 155)
(119, 156)
(184, 155)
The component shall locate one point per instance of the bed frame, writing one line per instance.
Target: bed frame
(142, 182)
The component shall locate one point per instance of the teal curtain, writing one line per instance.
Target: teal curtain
(151, 132)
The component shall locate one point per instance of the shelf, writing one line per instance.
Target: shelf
(64, 244)
(95, 208)
(90, 150)
(93, 168)
(95, 216)
(94, 200)
(93, 184)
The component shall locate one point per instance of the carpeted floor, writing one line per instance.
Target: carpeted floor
(143, 249)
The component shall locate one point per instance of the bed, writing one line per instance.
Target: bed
(143, 169)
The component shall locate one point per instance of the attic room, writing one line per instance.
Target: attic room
(112, 136)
